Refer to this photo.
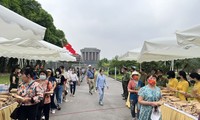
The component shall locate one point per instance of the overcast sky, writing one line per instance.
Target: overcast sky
(116, 26)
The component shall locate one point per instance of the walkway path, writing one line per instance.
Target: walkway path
(85, 106)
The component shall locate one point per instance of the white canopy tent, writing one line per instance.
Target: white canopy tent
(63, 53)
(131, 54)
(165, 49)
(12, 26)
(189, 36)
(33, 50)
(22, 38)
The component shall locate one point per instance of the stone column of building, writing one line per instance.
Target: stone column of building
(90, 56)
(93, 56)
(98, 56)
(83, 56)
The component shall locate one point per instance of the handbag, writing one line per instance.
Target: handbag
(15, 114)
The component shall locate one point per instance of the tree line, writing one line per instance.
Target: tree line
(188, 65)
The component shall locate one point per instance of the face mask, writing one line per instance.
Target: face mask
(57, 73)
(152, 82)
(43, 77)
(135, 77)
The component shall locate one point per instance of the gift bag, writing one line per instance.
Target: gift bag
(156, 113)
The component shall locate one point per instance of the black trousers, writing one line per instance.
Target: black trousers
(73, 87)
(43, 110)
(125, 89)
(53, 105)
(28, 112)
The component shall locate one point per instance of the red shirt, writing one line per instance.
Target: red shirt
(132, 85)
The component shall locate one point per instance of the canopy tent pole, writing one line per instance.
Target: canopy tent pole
(140, 66)
(172, 65)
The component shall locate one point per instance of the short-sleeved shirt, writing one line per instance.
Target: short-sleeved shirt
(183, 86)
(126, 77)
(52, 80)
(173, 82)
(90, 74)
(47, 86)
(134, 86)
(150, 95)
(31, 90)
(60, 79)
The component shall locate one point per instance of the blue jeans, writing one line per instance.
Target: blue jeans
(101, 94)
(59, 90)
(133, 103)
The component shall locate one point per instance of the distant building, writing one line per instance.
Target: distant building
(90, 56)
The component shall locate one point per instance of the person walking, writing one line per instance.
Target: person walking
(133, 87)
(65, 74)
(95, 77)
(60, 80)
(100, 85)
(73, 82)
(90, 79)
(52, 79)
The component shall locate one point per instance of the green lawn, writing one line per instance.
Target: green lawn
(119, 77)
(4, 78)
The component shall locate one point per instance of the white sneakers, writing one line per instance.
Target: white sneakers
(53, 111)
(43, 117)
(66, 100)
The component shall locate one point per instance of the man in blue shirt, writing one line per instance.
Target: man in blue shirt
(90, 79)
(100, 84)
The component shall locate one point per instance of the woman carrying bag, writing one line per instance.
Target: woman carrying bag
(29, 94)
(133, 87)
(149, 96)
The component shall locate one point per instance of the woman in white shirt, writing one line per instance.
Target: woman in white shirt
(73, 81)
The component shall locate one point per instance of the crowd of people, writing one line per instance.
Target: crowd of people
(145, 89)
(39, 88)
(44, 90)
